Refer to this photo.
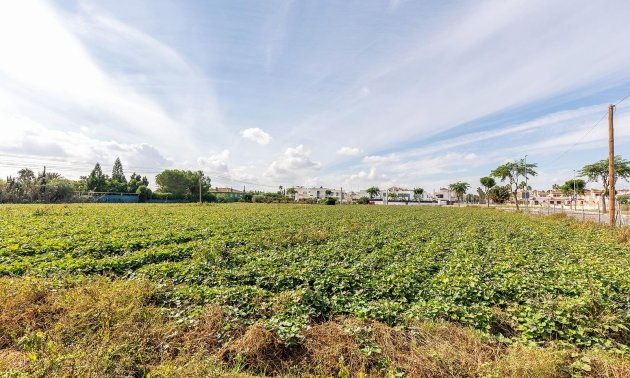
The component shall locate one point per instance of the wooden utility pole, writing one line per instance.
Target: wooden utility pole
(611, 166)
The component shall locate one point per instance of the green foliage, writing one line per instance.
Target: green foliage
(460, 189)
(144, 193)
(513, 172)
(499, 193)
(571, 186)
(97, 181)
(417, 193)
(373, 191)
(46, 187)
(117, 172)
(522, 279)
(329, 201)
(487, 182)
(599, 171)
(363, 200)
(624, 199)
(181, 183)
(271, 198)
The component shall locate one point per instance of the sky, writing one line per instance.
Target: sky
(337, 94)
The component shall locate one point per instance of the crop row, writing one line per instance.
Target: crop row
(517, 277)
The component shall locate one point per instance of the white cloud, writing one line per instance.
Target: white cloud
(217, 163)
(364, 92)
(370, 175)
(292, 162)
(349, 151)
(28, 143)
(257, 135)
(380, 159)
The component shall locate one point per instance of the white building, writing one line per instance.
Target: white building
(443, 196)
(303, 193)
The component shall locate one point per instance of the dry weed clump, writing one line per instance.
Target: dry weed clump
(258, 350)
(524, 361)
(446, 350)
(23, 307)
(604, 365)
(330, 349)
(205, 334)
(623, 235)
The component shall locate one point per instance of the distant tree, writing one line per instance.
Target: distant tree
(482, 195)
(373, 191)
(27, 184)
(572, 188)
(460, 189)
(512, 172)
(499, 193)
(417, 193)
(598, 172)
(5, 195)
(97, 181)
(392, 196)
(363, 200)
(329, 201)
(472, 198)
(182, 183)
(291, 192)
(144, 193)
(577, 185)
(487, 183)
(328, 192)
(57, 190)
(135, 181)
(117, 172)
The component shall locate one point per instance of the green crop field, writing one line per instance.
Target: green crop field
(279, 278)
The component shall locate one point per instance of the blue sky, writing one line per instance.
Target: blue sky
(334, 93)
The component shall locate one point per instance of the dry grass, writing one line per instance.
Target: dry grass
(331, 349)
(623, 235)
(605, 365)
(105, 328)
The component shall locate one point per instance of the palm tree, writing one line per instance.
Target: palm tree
(487, 183)
(373, 191)
(460, 189)
(417, 193)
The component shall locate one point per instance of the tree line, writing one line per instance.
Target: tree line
(514, 174)
(52, 187)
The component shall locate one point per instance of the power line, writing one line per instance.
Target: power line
(623, 99)
(587, 132)
(579, 140)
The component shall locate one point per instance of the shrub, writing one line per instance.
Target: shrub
(329, 201)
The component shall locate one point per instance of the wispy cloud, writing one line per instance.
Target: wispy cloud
(349, 151)
(379, 159)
